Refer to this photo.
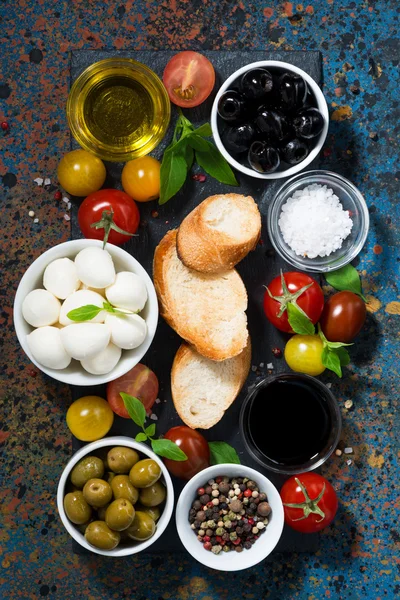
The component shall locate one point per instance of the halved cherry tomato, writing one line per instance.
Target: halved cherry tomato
(343, 316)
(189, 78)
(310, 502)
(287, 288)
(194, 445)
(139, 382)
(112, 211)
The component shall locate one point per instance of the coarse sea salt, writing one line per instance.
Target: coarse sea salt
(313, 222)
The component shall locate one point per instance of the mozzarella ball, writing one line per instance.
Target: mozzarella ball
(128, 291)
(95, 267)
(84, 340)
(79, 299)
(104, 362)
(127, 332)
(61, 278)
(47, 348)
(41, 308)
(100, 291)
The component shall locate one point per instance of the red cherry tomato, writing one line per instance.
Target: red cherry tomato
(287, 288)
(194, 445)
(343, 316)
(139, 382)
(189, 78)
(110, 208)
(315, 499)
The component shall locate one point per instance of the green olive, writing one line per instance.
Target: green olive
(142, 527)
(153, 495)
(120, 514)
(121, 459)
(97, 492)
(89, 467)
(153, 511)
(99, 534)
(145, 473)
(101, 512)
(76, 508)
(122, 488)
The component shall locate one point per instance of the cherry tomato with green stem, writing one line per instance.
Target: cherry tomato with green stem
(294, 288)
(309, 501)
(196, 448)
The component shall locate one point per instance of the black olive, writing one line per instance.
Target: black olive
(292, 91)
(263, 158)
(255, 84)
(272, 123)
(231, 106)
(308, 123)
(294, 151)
(238, 139)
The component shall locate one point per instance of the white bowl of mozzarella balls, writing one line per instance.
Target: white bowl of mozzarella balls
(85, 315)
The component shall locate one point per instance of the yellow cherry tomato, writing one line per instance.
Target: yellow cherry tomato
(90, 418)
(81, 173)
(303, 354)
(141, 178)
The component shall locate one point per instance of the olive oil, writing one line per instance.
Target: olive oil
(118, 109)
(119, 112)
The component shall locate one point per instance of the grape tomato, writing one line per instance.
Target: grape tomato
(196, 448)
(140, 382)
(343, 316)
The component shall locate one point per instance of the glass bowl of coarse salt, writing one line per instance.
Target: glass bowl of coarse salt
(318, 221)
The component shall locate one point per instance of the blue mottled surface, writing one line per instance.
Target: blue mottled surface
(359, 41)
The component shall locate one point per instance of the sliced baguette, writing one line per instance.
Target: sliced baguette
(206, 310)
(203, 389)
(219, 233)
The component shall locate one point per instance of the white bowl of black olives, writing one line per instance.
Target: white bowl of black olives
(115, 497)
(269, 119)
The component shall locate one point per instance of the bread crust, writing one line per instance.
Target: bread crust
(198, 332)
(208, 250)
(184, 356)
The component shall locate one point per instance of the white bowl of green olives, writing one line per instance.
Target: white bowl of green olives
(115, 497)
(269, 119)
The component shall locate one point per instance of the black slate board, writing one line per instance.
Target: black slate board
(257, 269)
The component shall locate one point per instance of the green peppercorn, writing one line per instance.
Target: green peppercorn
(219, 531)
(233, 536)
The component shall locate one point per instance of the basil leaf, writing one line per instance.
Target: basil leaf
(135, 408)
(221, 452)
(331, 361)
(188, 155)
(172, 174)
(84, 313)
(141, 437)
(198, 143)
(344, 356)
(168, 449)
(298, 321)
(204, 130)
(150, 430)
(215, 165)
(345, 279)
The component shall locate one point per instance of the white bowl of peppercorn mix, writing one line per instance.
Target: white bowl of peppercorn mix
(229, 517)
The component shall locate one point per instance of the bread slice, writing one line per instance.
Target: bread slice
(206, 310)
(203, 389)
(219, 233)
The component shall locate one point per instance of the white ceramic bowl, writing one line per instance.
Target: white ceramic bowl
(321, 105)
(75, 374)
(229, 561)
(166, 514)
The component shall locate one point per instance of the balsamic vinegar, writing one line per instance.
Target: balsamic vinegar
(289, 422)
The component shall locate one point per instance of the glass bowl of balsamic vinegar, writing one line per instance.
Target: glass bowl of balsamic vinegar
(290, 423)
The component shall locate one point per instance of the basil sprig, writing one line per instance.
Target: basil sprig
(221, 452)
(90, 311)
(346, 279)
(189, 145)
(162, 447)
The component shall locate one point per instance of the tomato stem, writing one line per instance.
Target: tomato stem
(107, 223)
(287, 297)
(309, 506)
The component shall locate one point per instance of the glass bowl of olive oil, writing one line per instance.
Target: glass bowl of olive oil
(118, 109)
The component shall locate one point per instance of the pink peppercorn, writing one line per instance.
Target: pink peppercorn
(207, 546)
(57, 195)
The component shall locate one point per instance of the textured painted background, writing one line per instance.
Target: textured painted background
(360, 46)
